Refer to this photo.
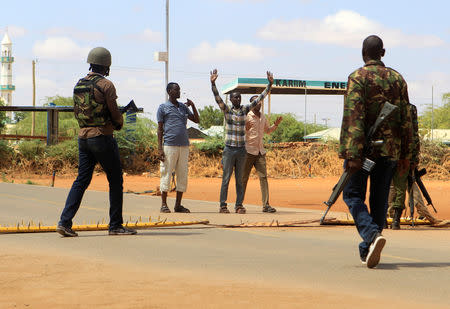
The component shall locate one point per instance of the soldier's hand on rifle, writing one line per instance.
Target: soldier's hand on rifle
(213, 76)
(161, 155)
(354, 165)
(270, 77)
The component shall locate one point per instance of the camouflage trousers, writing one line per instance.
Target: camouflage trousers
(397, 196)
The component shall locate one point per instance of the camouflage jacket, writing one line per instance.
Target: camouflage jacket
(367, 90)
(415, 145)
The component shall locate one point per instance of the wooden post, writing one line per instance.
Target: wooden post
(52, 127)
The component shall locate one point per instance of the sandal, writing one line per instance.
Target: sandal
(240, 210)
(224, 210)
(164, 209)
(269, 209)
(181, 209)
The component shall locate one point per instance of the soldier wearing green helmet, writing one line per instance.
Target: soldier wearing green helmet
(98, 115)
(99, 56)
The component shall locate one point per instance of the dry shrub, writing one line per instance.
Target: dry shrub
(293, 160)
(204, 165)
(435, 158)
(300, 160)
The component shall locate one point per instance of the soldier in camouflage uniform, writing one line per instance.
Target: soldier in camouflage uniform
(400, 180)
(397, 194)
(368, 88)
(98, 115)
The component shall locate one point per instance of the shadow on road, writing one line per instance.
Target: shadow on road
(412, 265)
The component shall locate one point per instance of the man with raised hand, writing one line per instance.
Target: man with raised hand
(233, 157)
(256, 125)
(174, 151)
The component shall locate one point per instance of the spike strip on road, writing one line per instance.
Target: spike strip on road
(335, 221)
(95, 227)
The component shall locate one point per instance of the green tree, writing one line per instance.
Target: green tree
(3, 117)
(68, 125)
(446, 97)
(291, 129)
(210, 116)
(19, 116)
(440, 114)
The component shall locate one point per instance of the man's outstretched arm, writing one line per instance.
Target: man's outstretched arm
(264, 93)
(217, 97)
(273, 127)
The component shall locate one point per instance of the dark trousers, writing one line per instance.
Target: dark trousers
(233, 158)
(104, 150)
(354, 194)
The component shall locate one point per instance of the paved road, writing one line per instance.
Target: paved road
(415, 265)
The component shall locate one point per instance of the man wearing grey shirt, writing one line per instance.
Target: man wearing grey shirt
(172, 118)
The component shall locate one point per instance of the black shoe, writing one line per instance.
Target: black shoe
(66, 231)
(122, 231)
(364, 260)
(181, 209)
(269, 209)
(164, 209)
(374, 255)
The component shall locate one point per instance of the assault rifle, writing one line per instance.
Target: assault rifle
(411, 180)
(415, 176)
(130, 107)
(367, 164)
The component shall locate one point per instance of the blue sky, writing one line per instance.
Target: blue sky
(297, 39)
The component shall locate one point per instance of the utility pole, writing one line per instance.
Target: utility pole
(164, 56)
(304, 124)
(432, 112)
(167, 46)
(33, 114)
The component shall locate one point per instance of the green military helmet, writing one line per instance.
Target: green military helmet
(100, 56)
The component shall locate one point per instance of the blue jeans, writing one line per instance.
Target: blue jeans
(104, 150)
(354, 194)
(233, 158)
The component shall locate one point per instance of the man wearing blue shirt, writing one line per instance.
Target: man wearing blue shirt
(172, 118)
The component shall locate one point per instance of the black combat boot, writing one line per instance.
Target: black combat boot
(396, 220)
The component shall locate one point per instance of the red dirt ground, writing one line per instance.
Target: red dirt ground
(296, 193)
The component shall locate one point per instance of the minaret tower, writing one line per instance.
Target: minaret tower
(6, 86)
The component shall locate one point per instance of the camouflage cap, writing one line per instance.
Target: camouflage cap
(100, 56)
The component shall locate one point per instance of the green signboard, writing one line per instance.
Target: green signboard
(285, 86)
